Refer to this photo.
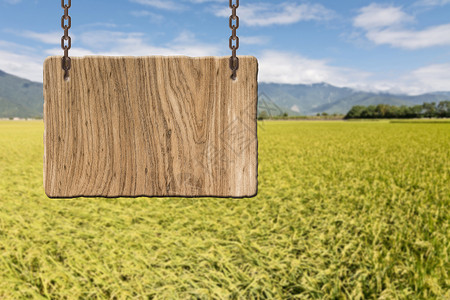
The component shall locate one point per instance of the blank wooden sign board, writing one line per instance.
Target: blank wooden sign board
(150, 126)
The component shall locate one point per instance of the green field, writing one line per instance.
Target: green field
(345, 210)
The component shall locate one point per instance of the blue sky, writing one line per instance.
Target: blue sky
(387, 46)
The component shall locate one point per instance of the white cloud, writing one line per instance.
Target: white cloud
(410, 39)
(291, 68)
(205, 1)
(151, 15)
(161, 4)
(377, 16)
(285, 67)
(275, 66)
(53, 37)
(426, 79)
(185, 37)
(135, 44)
(110, 39)
(385, 24)
(266, 14)
(13, 1)
(99, 24)
(254, 40)
(173, 5)
(27, 62)
(432, 2)
(434, 77)
(21, 61)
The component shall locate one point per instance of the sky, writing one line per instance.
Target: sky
(382, 46)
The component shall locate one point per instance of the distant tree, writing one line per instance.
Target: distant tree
(443, 109)
(285, 115)
(415, 111)
(318, 114)
(355, 112)
(369, 112)
(381, 110)
(324, 114)
(395, 111)
(427, 110)
(400, 112)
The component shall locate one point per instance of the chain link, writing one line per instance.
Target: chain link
(234, 39)
(66, 62)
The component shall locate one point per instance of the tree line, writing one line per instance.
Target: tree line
(385, 111)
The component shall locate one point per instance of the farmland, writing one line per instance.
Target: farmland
(345, 210)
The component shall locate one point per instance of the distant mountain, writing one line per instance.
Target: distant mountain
(308, 99)
(447, 94)
(303, 99)
(20, 97)
(23, 98)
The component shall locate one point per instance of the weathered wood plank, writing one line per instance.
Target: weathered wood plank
(150, 126)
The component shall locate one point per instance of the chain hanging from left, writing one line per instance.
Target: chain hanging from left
(234, 60)
(66, 62)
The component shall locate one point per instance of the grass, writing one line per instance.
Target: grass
(345, 210)
(422, 121)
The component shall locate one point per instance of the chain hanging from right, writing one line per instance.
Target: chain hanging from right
(234, 60)
(66, 62)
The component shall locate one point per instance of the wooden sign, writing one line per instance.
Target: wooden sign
(150, 126)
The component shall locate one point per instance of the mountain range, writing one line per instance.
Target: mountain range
(20, 97)
(24, 99)
(301, 99)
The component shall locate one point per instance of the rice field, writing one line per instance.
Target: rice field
(345, 210)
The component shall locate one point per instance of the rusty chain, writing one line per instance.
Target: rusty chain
(66, 62)
(234, 60)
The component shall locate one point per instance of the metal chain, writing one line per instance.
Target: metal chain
(234, 60)
(66, 62)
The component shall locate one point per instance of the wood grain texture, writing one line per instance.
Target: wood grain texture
(150, 126)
